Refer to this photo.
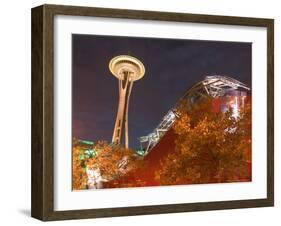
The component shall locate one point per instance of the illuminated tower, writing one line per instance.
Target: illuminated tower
(127, 69)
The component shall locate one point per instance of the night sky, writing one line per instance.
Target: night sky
(172, 66)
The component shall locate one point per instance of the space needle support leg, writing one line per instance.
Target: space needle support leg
(120, 119)
(126, 117)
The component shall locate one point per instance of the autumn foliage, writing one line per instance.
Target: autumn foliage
(114, 163)
(210, 147)
(79, 176)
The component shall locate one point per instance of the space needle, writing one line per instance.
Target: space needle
(126, 69)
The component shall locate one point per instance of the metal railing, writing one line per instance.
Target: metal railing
(212, 86)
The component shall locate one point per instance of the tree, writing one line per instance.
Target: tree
(210, 147)
(79, 175)
(114, 161)
(105, 163)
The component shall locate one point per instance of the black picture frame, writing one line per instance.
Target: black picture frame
(42, 203)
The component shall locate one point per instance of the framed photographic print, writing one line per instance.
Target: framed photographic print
(141, 112)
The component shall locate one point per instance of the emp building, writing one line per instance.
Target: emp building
(226, 93)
